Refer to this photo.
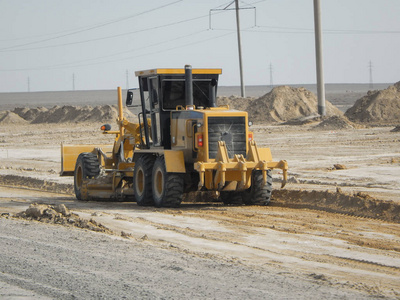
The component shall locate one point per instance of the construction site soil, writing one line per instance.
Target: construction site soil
(333, 232)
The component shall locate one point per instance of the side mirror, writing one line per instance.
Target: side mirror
(129, 98)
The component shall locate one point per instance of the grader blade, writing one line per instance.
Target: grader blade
(69, 154)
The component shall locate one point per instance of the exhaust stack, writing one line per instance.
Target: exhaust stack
(189, 85)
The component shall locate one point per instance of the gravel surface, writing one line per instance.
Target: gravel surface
(40, 261)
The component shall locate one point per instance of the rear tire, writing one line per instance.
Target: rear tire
(142, 179)
(87, 166)
(167, 187)
(258, 194)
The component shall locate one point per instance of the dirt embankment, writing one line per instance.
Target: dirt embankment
(282, 104)
(290, 106)
(285, 103)
(357, 204)
(298, 106)
(380, 107)
(64, 114)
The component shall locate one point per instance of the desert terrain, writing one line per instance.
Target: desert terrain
(332, 232)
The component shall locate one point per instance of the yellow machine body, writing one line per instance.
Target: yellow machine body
(179, 145)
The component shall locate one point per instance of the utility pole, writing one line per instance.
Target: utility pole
(240, 49)
(29, 84)
(73, 81)
(371, 84)
(237, 8)
(271, 81)
(127, 80)
(319, 59)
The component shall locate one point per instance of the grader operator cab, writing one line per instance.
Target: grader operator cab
(183, 142)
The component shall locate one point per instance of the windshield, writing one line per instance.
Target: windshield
(174, 93)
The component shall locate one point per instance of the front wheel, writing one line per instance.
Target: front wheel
(142, 179)
(258, 193)
(167, 187)
(87, 166)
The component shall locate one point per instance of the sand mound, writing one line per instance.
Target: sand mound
(235, 102)
(284, 103)
(335, 123)
(377, 107)
(29, 114)
(9, 117)
(64, 114)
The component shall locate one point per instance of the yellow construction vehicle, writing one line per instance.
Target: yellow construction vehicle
(183, 142)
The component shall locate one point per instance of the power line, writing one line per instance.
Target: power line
(237, 8)
(226, 8)
(277, 29)
(77, 63)
(293, 30)
(110, 36)
(91, 28)
(114, 35)
(120, 59)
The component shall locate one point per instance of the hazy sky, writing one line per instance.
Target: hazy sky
(48, 41)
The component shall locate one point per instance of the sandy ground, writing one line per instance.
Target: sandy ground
(208, 250)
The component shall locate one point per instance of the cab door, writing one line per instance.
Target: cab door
(154, 108)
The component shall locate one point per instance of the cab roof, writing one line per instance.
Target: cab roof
(176, 71)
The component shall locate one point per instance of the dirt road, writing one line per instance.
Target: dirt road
(291, 249)
(253, 252)
(51, 262)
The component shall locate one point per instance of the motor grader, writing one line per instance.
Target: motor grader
(182, 142)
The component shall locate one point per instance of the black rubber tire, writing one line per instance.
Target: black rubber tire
(167, 187)
(258, 194)
(231, 197)
(87, 166)
(142, 179)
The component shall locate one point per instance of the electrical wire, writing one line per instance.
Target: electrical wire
(293, 30)
(110, 55)
(326, 31)
(110, 36)
(122, 59)
(91, 27)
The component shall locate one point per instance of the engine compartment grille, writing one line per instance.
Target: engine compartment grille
(231, 130)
